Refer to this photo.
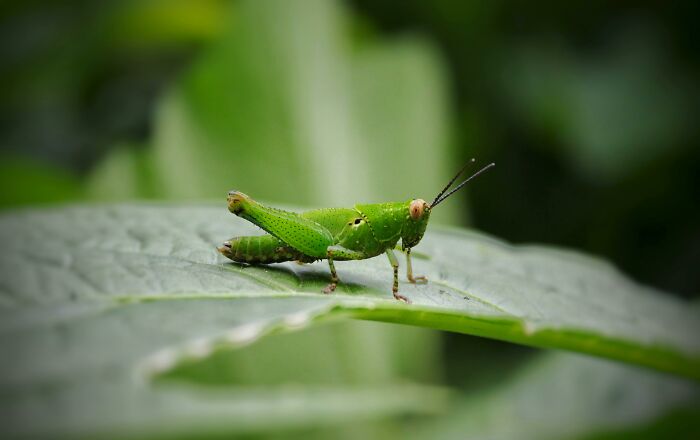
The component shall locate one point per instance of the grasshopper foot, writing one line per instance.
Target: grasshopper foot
(330, 288)
(421, 279)
(400, 297)
(397, 295)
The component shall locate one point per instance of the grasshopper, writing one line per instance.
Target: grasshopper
(335, 234)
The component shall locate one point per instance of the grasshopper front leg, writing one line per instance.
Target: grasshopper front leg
(395, 287)
(409, 271)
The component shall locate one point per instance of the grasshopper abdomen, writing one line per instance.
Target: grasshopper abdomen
(264, 249)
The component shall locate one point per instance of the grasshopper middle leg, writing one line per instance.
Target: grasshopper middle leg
(334, 275)
(395, 287)
(339, 252)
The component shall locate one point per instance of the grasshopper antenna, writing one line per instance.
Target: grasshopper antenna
(449, 184)
(439, 199)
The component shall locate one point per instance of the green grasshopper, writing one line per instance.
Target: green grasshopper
(335, 234)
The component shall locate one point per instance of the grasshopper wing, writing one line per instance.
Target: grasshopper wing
(303, 234)
(333, 219)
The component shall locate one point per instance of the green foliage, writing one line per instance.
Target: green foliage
(588, 104)
(364, 122)
(100, 301)
(27, 182)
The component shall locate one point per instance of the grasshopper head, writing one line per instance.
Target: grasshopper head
(419, 210)
(417, 221)
(237, 201)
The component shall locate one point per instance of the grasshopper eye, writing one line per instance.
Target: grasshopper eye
(416, 209)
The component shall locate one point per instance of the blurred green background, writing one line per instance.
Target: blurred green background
(589, 110)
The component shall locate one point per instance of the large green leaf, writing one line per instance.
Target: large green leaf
(87, 370)
(95, 300)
